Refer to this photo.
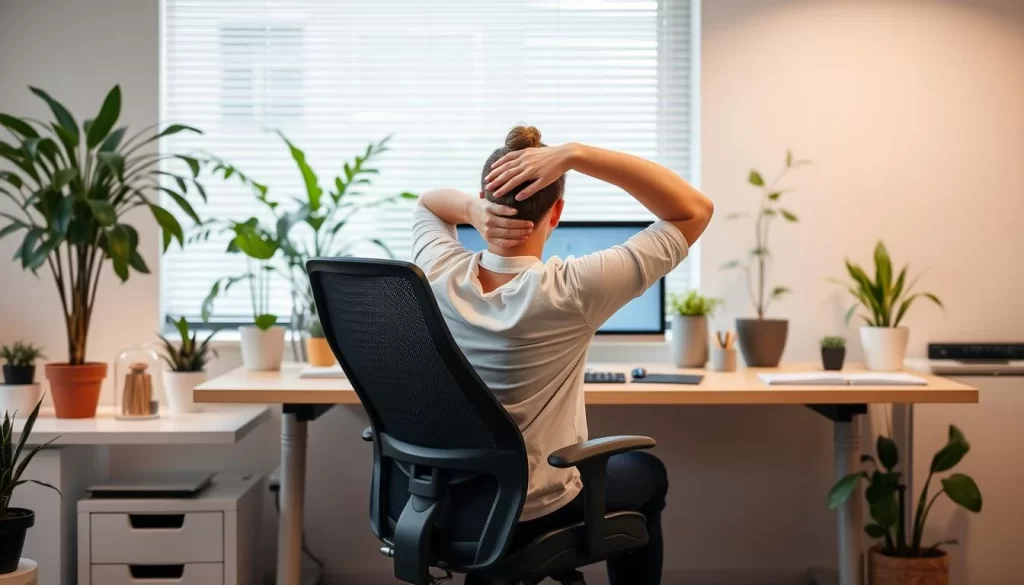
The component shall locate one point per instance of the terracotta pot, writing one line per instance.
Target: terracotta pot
(885, 570)
(319, 352)
(76, 389)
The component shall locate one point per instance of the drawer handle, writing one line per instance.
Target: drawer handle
(156, 521)
(157, 571)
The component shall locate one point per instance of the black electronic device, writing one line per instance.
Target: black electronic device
(604, 378)
(689, 379)
(638, 373)
(977, 353)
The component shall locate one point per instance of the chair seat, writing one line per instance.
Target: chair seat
(561, 550)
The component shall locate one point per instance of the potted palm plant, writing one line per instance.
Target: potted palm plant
(315, 229)
(186, 362)
(15, 522)
(690, 314)
(71, 186)
(900, 558)
(762, 340)
(317, 348)
(885, 301)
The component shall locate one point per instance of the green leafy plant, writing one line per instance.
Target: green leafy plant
(316, 328)
(885, 299)
(190, 355)
(833, 342)
(759, 256)
(693, 304)
(12, 464)
(259, 246)
(886, 497)
(307, 226)
(21, 354)
(72, 186)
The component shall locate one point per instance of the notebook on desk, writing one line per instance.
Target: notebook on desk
(841, 379)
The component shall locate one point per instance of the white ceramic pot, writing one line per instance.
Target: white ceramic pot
(21, 398)
(884, 347)
(178, 386)
(690, 341)
(262, 350)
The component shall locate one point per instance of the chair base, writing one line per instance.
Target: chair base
(569, 578)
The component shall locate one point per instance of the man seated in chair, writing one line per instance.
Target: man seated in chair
(526, 325)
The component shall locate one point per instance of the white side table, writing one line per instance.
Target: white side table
(26, 574)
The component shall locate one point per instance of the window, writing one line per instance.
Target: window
(447, 77)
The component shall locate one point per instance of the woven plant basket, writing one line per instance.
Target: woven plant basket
(885, 570)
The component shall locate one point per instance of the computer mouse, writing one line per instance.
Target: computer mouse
(639, 373)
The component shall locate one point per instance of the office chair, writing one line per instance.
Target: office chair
(449, 465)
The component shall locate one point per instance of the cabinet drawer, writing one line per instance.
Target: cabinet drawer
(196, 537)
(187, 574)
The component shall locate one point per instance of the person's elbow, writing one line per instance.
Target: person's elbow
(699, 217)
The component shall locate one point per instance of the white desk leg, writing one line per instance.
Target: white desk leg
(847, 460)
(293, 490)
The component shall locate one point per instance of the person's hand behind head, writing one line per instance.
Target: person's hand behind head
(497, 226)
(543, 165)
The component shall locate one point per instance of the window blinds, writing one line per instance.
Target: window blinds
(447, 77)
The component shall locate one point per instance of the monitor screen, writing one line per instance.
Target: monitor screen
(644, 314)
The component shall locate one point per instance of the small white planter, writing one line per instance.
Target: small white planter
(22, 398)
(178, 386)
(884, 347)
(262, 350)
(690, 341)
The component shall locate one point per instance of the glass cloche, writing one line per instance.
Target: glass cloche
(138, 384)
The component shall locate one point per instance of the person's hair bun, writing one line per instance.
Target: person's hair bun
(522, 137)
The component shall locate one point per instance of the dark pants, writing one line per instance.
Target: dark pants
(637, 482)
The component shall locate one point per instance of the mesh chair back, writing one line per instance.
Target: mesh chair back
(432, 415)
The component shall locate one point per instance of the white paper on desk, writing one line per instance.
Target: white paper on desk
(803, 379)
(885, 379)
(334, 371)
(840, 379)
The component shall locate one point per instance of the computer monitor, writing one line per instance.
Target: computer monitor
(644, 314)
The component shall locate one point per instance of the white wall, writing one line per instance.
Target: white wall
(912, 112)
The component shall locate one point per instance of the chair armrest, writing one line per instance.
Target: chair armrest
(604, 447)
(591, 458)
(367, 434)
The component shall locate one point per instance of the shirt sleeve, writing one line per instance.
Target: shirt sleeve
(603, 282)
(434, 242)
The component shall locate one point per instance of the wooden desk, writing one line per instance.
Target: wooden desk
(303, 399)
(740, 387)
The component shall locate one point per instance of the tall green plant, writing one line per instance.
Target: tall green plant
(71, 186)
(259, 247)
(12, 464)
(885, 299)
(309, 225)
(886, 495)
(757, 259)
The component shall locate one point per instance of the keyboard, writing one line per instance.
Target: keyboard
(604, 378)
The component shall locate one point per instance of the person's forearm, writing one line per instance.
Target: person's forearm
(450, 205)
(661, 191)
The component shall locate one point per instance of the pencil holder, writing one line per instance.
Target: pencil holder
(723, 360)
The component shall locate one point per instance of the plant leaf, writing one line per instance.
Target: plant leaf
(183, 204)
(955, 434)
(175, 128)
(169, 225)
(103, 211)
(754, 178)
(64, 117)
(780, 291)
(18, 126)
(113, 161)
(963, 491)
(309, 178)
(192, 163)
(106, 119)
(789, 215)
(730, 265)
(888, 454)
(948, 456)
(775, 196)
(265, 321)
(789, 158)
(843, 489)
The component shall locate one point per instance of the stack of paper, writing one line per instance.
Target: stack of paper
(841, 379)
(334, 371)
